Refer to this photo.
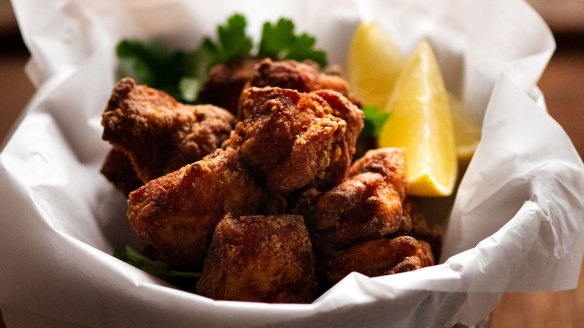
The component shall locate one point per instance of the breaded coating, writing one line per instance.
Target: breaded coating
(299, 76)
(226, 81)
(377, 257)
(260, 259)
(341, 160)
(158, 134)
(389, 162)
(367, 204)
(118, 169)
(292, 140)
(422, 230)
(302, 202)
(178, 212)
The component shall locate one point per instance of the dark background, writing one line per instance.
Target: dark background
(562, 85)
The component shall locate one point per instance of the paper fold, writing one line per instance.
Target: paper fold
(516, 224)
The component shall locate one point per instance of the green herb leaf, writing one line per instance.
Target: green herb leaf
(304, 49)
(189, 88)
(374, 119)
(149, 63)
(276, 38)
(181, 74)
(279, 41)
(234, 43)
(156, 268)
(195, 67)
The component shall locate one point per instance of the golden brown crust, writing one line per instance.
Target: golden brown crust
(158, 134)
(358, 209)
(291, 140)
(367, 204)
(389, 162)
(178, 212)
(302, 77)
(225, 83)
(378, 257)
(422, 230)
(260, 259)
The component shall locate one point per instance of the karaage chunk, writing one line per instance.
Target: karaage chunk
(377, 257)
(369, 203)
(299, 76)
(260, 259)
(225, 83)
(292, 140)
(158, 134)
(423, 230)
(346, 148)
(178, 212)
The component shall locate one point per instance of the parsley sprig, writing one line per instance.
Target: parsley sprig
(374, 119)
(280, 41)
(155, 268)
(182, 73)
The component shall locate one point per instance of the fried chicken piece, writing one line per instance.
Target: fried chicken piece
(369, 203)
(300, 76)
(377, 257)
(260, 259)
(388, 162)
(422, 230)
(178, 212)
(225, 83)
(292, 140)
(302, 202)
(118, 169)
(350, 113)
(158, 134)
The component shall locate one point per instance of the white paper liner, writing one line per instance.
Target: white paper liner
(516, 225)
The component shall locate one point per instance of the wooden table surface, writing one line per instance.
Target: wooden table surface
(563, 87)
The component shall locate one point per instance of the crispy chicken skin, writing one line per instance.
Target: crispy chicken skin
(158, 134)
(378, 257)
(423, 230)
(225, 83)
(367, 204)
(291, 140)
(178, 212)
(389, 163)
(260, 259)
(346, 148)
(300, 76)
(118, 169)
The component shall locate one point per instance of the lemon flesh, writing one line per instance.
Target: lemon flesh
(373, 64)
(421, 122)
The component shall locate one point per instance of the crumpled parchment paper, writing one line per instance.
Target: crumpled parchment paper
(516, 223)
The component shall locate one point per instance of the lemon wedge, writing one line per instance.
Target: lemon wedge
(467, 131)
(373, 64)
(421, 122)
